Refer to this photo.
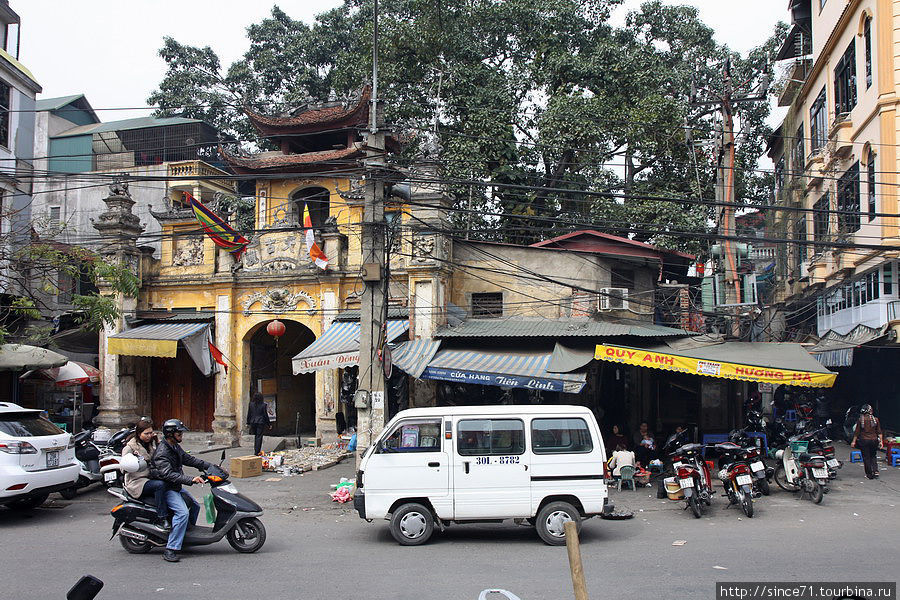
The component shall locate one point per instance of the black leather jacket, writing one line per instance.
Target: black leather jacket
(256, 414)
(167, 464)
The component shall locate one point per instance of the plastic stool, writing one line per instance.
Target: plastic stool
(895, 457)
(855, 456)
(790, 415)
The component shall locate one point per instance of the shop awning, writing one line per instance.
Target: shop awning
(836, 349)
(776, 363)
(339, 346)
(21, 357)
(161, 340)
(414, 356)
(514, 369)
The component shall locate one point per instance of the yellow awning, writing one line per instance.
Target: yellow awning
(708, 361)
(139, 347)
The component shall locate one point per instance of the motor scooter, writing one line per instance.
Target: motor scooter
(87, 453)
(736, 475)
(802, 472)
(135, 520)
(692, 475)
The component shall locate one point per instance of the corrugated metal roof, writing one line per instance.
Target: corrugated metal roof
(555, 328)
(394, 312)
(55, 103)
(162, 331)
(138, 123)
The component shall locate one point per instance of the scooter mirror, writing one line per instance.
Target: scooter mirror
(85, 588)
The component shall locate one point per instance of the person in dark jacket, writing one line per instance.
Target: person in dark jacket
(258, 420)
(869, 438)
(167, 464)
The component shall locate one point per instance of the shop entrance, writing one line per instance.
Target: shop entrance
(180, 391)
(292, 396)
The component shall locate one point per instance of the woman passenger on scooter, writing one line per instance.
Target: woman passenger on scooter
(142, 443)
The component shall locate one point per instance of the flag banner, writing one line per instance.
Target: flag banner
(217, 356)
(217, 229)
(315, 253)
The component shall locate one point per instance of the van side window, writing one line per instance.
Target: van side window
(560, 436)
(414, 435)
(483, 437)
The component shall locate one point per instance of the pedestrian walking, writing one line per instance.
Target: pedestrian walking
(258, 420)
(868, 437)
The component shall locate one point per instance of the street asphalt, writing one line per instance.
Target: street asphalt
(319, 549)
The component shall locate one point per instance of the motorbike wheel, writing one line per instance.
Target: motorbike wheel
(816, 494)
(133, 546)
(69, 493)
(247, 536)
(782, 481)
(694, 503)
(764, 486)
(747, 505)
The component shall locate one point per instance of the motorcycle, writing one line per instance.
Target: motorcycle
(692, 475)
(98, 455)
(135, 521)
(800, 471)
(736, 475)
(753, 455)
(820, 444)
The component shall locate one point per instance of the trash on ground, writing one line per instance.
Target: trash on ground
(679, 542)
(300, 460)
(618, 515)
(720, 568)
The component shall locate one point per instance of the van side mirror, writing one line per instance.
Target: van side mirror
(85, 588)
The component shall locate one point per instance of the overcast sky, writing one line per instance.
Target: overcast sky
(107, 49)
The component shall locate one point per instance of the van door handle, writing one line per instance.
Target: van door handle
(434, 464)
(466, 467)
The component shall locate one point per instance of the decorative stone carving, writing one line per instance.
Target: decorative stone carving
(423, 246)
(273, 251)
(188, 253)
(279, 301)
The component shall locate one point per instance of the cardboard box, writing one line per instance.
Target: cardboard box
(245, 466)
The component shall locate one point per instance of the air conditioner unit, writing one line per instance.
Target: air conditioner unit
(613, 298)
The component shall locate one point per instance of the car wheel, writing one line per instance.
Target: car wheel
(69, 493)
(29, 502)
(551, 522)
(412, 524)
(133, 546)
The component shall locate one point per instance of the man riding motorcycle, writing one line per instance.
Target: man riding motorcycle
(167, 463)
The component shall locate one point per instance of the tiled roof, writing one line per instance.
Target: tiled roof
(555, 328)
(261, 162)
(315, 118)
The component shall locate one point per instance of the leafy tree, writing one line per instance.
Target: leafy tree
(530, 102)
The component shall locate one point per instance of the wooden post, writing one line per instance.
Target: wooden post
(574, 549)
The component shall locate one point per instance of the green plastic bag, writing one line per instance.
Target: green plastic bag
(210, 508)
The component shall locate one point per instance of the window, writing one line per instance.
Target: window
(54, 214)
(800, 236)
(845, 82)
(821, 217)
(5, 101)
(65, 288)
(487, 304)
(560, 436)
(818, 122)
(414, 435)
(887, 277)
(480, 437)
(798, 154)
(870, 173)
(779, 175)
(621, 278)
(867, 35)
(848, 200)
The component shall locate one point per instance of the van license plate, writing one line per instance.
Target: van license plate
(820, 473)
(687, 482)
(757, 466)
(743, 480)
(833, 463)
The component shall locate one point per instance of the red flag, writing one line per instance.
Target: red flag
(217, 356)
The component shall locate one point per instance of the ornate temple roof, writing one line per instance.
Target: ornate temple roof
(313, 120)
(294, 163)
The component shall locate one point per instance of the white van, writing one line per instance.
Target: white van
(435, 466)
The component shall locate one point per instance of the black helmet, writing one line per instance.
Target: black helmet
(865, 409)
(173, 425)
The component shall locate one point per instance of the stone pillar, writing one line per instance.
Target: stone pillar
(327, 394)
(228, 404)
(119, 227)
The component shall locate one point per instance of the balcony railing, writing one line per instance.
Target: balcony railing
(194, 168)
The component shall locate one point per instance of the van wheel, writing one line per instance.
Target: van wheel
(551, 522)
(412, 524)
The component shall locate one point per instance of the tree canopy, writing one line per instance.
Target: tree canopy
(547, 116)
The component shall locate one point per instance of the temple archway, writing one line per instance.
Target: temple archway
(318, 199)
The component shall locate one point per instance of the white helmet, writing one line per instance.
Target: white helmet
(132, 463)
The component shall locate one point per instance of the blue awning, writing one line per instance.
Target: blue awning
(339, 346)
(414, 356)
(505, 369)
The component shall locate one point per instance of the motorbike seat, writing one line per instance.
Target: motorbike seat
(148, 500)
(687, 448)
(727, 447)
(807, 457)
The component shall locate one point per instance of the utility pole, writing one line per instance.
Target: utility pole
(371, 396)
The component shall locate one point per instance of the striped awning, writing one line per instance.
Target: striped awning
(339, 346)
(161, 340)
(515, 369)
(414, 356)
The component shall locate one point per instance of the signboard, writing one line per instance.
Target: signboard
(511, 381)
(319, 363)
(711, 368)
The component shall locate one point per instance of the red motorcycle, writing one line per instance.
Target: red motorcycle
(692, 475)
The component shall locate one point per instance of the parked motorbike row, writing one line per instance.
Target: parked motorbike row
(98, 454)
(805, 463)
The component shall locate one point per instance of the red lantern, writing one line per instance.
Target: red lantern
(275, 328)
